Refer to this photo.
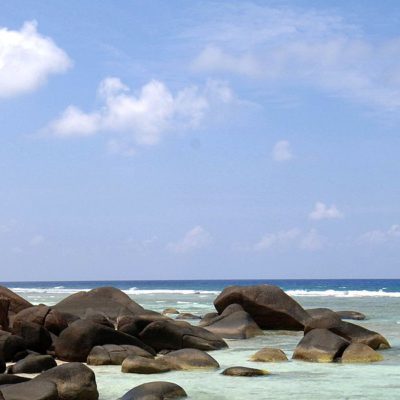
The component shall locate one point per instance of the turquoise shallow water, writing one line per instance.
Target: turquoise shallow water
(289, 380)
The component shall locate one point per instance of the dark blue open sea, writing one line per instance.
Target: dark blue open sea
(378, 299)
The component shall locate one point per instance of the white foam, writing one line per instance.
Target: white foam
(204, 293)
(342, 293)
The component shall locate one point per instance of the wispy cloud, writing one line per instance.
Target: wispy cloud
(195, 239)
(27, 59)
(381, 236)
(144, 118)
(282, 151)
(37, 240)
(291, 45)
(322, 211)
(290, 239)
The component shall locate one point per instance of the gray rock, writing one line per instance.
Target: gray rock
(320, 345)
(142, 365)
(269, 355)
(33, 364)
(190, 359)
(244, 371)
(111, 354)
(155, 391)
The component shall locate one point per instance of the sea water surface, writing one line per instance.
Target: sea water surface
(378, 299)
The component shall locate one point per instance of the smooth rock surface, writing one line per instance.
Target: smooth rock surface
(360, 353)
(268, 305)
(190, 359)
(142, 365)
(244, 371)
(155, 391)
(269, 355)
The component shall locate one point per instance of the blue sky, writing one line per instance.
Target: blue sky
(199, 139)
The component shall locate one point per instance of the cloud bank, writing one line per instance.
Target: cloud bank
(322, 211)
(195, 239)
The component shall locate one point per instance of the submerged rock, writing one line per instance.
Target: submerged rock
(189, 359)
(244, 371)
(360, 353)
(142, 365)
(268, 305)
(268, 354)
(320, 345)
(155, 391)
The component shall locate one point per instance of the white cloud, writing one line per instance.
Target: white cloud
(37, 240)
(279, 239)
(296, 46)
(282, 151)
(143, 118)
(312, 241)
(322, 211)
(381, 236)
(27, 59)
(196, 238)
(291, 239)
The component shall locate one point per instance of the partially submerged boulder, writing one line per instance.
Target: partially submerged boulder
(175, 335)
(189, 359)
(142, 365)
(108, 300)
(33, 364)
(74, 381)
(320, 345)
(349, 331)
(155, 391)
(268, 354)
(76, 342)
(268, 305)
(244, 371)
(111, 354)
(360, 353)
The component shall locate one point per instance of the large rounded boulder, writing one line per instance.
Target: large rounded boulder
(76, 342)
(36, 337)
(52, 320)
(174, 335)
(110, 301)
(134, 324)
(155, 391)
(233, 323)
(269, 306)
(74, 381)
(320, 345)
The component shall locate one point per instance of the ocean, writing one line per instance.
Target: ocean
(378, 299)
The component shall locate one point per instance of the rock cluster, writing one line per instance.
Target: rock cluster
(106, 327)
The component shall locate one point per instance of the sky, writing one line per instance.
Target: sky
(199, 139)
